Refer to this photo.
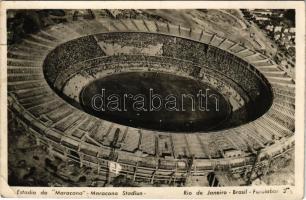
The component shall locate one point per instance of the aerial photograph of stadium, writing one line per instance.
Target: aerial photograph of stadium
(151, 97)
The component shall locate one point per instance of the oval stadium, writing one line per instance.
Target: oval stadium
(245, 130)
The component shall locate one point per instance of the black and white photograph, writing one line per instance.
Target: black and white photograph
(152, 98)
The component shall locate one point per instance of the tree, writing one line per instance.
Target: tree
(290, 15)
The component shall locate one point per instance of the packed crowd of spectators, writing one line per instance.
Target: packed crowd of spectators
(69, 53)
(86, 48)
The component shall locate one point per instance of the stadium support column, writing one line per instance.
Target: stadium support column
(145, 24)
(168, 27)
(194, 166)
(98, 168)
(212, 38)
(189, 167)
(222, 42)
(98, 164)
(108, 175)
(81, 160)
(171, 178)
(37, 141)
(234, 45)
(213, 181)
(156, 24)
(135, 172)
(173, 175)
(172, 147)
(139, 145)
(66, 157)
(174, 178)
(153, 174)
(156, 147)
(200, 38)
(80, 156)
(249, 181)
